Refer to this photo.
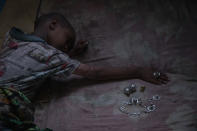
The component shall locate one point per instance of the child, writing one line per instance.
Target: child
(27, 60)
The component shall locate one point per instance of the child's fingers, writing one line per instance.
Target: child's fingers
(160, 81)
(156, 82)
(83, 43)
(164, 77)
(163, 81)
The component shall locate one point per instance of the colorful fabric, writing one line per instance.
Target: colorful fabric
(16, 111)
(26, 61)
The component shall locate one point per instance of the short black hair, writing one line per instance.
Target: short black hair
(50, 16)
(60, 19)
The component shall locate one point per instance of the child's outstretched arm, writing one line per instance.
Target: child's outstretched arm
(110, 73)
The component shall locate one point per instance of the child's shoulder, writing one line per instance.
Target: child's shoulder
(17, 39)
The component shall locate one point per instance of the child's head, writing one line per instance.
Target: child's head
(56, 30)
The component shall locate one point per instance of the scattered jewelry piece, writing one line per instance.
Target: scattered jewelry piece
(130, 89)
(134, 101)
(150, 108)
(134, 114)
(157, 75)
(123, 109)
(127, 91)
(156, 98)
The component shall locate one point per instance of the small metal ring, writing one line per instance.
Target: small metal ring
(150, 108)
(157, 75)
(156, 98)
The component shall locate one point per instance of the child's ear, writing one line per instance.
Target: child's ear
(53, 24)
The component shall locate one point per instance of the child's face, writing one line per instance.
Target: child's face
(60, 38)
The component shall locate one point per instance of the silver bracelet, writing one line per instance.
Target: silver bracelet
(134, 101)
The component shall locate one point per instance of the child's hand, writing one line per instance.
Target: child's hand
(149, 75)
(80, 48)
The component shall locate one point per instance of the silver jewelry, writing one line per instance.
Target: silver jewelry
(150, 108)
(130, 89)
(156, 97)
(134, 101)
(157, 75)
(134, 114)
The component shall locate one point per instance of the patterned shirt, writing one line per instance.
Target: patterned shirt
(26, 61)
